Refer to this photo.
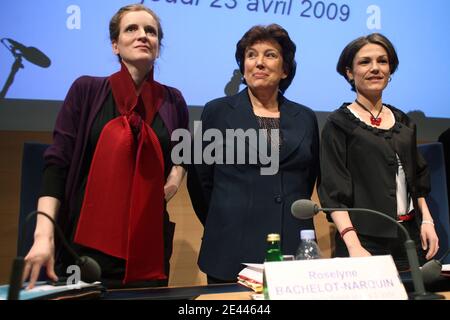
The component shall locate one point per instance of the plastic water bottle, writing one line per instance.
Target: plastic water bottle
(308, 248)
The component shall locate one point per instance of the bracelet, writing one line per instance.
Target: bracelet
(428, 222)
(343, 232)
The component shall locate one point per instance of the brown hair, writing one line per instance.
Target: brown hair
(348, 54)
(114, 24)
(272, 32)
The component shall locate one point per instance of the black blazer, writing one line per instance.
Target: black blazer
(237, 205)
(359, 167)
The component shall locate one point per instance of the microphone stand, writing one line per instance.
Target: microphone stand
(19, 51)
(14, 69)
(419, 287)
(15, 280)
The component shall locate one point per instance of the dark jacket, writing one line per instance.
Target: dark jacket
(359, 166)
(237, 204)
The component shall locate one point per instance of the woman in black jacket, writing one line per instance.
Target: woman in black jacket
(241, 197)
(369, 159)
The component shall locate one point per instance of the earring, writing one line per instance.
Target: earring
(390, 79)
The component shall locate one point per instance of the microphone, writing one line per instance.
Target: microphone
(431, 270)
(89, 268)
(306, 209)
(32, 54)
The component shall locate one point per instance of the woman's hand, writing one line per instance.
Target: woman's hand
(358, 251)
(41, 254)
(429, 239)
(173, 182)
(170, 189)
(428, 235)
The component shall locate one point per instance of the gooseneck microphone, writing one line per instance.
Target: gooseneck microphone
(306, 209)
(431, 271)
(89, 268)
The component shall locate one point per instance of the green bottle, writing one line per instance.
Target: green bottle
(273, 253)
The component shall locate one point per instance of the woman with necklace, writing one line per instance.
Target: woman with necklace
(369, 159)
(236, 202)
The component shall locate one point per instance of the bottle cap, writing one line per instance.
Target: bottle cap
(273, 237)
(307, 235)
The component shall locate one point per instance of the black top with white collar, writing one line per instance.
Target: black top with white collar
(359, 165)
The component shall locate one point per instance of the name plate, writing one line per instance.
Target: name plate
(365, 278)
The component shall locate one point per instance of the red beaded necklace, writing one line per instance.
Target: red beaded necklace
(376, 121)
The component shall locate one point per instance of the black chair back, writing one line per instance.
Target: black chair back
(32, 170)
(437, 200)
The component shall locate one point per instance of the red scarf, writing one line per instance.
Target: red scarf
(122, 212)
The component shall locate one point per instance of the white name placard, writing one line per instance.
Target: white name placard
(366, 278)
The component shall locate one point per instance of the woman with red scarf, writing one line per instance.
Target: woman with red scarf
(108, 173)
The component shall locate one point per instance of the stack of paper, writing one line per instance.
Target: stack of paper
(252, 276)
(446, 270)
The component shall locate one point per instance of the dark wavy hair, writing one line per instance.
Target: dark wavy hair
(272, 32)
(347, 56)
